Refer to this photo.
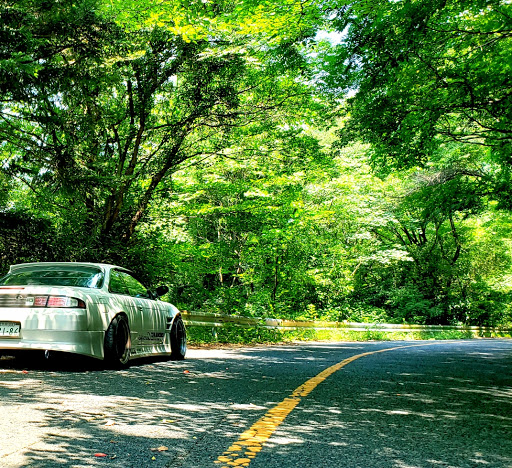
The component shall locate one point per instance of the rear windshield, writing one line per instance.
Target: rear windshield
(81, 276)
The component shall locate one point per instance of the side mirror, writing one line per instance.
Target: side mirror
(161, 290)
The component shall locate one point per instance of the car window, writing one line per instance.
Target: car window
(135, 287)
(122, 282)
(55, 275)
(117, 284)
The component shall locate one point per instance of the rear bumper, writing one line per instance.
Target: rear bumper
(87, 343)
(52, 329)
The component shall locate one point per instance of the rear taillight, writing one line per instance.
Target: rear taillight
(58, 302)
(39, 301)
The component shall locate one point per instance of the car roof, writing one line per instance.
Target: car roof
(102, 266)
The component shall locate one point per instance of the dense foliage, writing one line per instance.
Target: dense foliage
(259, 169)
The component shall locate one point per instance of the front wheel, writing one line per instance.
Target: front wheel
(117, 343)
(178, 340)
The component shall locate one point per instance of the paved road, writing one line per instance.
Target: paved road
(441, 404)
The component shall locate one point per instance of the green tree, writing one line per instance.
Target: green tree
(427, 86)
(95, 122)
(423, 74)
(233, 226)
(424, 264)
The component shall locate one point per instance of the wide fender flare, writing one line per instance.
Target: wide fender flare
(173, 314)
(103, 314)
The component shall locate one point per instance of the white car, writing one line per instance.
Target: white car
(92, 309)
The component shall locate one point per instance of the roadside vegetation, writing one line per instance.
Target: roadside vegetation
(233, 335)
(267, 158)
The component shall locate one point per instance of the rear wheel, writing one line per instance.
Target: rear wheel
(178, 340)
(117, 342)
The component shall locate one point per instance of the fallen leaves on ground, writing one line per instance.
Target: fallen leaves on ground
(162, 448)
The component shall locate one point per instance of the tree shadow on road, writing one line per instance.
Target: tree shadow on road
(186, 413)
(430, 415)
(73, 412)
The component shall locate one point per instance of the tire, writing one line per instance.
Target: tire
(117, 343)
(178, 340)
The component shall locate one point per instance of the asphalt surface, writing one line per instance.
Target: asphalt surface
(441, 404)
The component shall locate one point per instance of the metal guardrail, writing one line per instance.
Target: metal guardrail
(219, 320)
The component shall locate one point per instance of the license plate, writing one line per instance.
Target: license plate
(9, 329)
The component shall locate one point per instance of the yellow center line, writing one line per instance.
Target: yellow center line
(250, 442)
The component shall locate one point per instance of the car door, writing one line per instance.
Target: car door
(128, 304)
(154, 318)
